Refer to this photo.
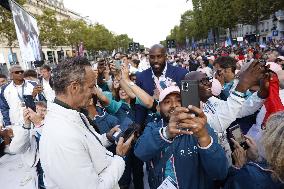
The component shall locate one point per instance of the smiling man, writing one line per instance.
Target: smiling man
(181, 147)
(157, 77)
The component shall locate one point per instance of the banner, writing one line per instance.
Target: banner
(27, 33)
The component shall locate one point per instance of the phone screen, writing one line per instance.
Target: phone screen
(117, 64)
(235, 132)
(127, 134)
(238, 136)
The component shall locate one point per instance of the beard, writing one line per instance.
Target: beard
(165, 117)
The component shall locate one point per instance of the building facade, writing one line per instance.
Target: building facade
(268, 30)
(10, 56)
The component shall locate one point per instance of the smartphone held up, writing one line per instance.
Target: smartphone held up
(190, 93)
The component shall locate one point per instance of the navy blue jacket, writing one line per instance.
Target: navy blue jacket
(195, 168)
(145, 81)
(251, 176)
(105, 121)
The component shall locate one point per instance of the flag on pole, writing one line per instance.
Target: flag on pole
(27, 33)
(228, 42)
(81, 49)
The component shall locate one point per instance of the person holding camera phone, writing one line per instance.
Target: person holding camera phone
(13, 96)
(73, 155)
(26, 139)
(124, 110)
(181, 148)
(220, 114)
(248, 171)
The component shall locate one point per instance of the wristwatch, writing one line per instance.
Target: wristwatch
(131, 84)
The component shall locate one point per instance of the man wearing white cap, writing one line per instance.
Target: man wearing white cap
(181, 149)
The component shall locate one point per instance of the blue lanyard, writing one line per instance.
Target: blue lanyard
(23, 90)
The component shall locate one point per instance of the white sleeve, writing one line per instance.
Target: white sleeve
(21, 140)
(1, 119)
(226, 113)
(73, 162)
(251, 105)
(105, 141)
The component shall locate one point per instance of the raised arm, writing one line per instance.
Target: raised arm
(145, 98)
(103, 99)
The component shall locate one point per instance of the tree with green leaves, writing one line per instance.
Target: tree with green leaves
(51, 30)
(253, 11)
(122, 42)
(75, 32)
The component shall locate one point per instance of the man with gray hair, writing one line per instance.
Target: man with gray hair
(14, 95)
(72, 153)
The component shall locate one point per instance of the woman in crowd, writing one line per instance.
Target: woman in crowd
(252, 174)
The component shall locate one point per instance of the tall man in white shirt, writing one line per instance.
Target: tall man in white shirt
(12, 97)
(72, 153)
(46, 82)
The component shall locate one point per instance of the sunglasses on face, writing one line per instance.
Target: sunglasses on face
(18, 72)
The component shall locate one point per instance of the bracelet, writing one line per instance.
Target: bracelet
(165, 134)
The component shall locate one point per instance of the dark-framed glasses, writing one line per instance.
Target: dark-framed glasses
(18, 72)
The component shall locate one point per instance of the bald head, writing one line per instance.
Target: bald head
(157, 59)
(158, 47)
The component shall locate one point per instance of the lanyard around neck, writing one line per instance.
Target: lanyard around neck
(64, 105)
(23, 90)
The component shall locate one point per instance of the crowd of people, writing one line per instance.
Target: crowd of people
(96, 124)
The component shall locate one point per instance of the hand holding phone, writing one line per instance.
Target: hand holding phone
(37, 89)
(122, 148)
(29, 102)
(236, 134)
(189, 121)
(132, 129)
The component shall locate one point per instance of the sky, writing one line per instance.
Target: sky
(147, 22)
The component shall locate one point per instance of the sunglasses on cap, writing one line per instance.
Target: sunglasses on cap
(18, 72)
